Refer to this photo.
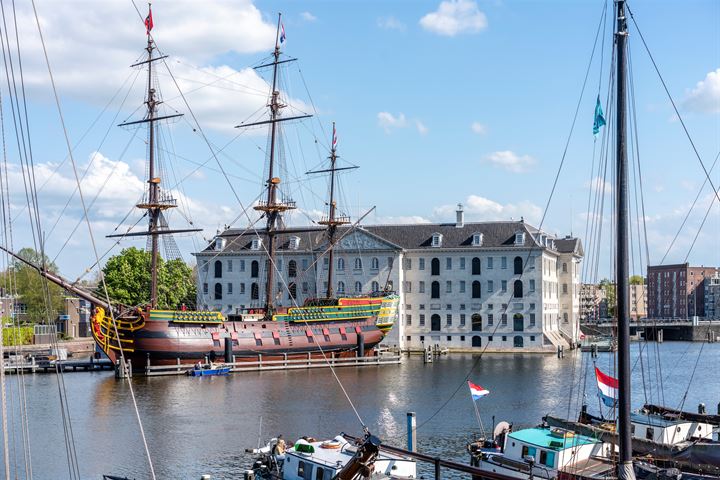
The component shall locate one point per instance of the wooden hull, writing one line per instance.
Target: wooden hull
(169, 338)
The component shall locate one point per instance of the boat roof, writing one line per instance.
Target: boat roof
(654, 420)
(544, 437)
(334, 457)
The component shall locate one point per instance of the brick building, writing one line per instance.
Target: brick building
(677, 291)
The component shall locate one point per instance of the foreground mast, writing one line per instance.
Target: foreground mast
(625, 465)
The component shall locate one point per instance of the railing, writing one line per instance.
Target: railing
(284, 364)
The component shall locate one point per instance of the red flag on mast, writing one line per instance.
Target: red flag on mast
(149, 21)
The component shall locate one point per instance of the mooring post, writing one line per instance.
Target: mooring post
(411, 426)
(228, 350)
(437, 468)
(360, 345)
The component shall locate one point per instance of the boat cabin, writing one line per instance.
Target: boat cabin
(554, 448)
(315, 460)
(670, 431)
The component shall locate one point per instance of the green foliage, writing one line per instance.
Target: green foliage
(127, 276)
(637, 280)
(610, 295)
(43, 299)
(16, 335)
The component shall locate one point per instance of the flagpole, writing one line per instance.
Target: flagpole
(477, 416)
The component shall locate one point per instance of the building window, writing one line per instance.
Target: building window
(375, 286)
(518, 266)
(531, 285)
(435, 266)
(229, 265)
(462, 286)
(421, 287)
(462, 338)
(341, 287)
(503, 286)
(462, 319)
(292, 291)
(254, 291)
(448, 263)
(490, 263)
(503, 263)
(518, 289)
(408, 320)
(435, 290)
(519, 238)
(256, 244)
(565, 289)
(476, 266)
(254, 269)
(305, 287)
(422, 319)
(358, 264)
(218, 291)
(462, 263)
(218, 269)
(205, 266)
(477, 239)
(407, 287)
(476, 320)
(435, 323)
(229, 288)
(292, 269)
(448, 319)
(242, 265)
(326, 263)
(490, 319)
(476, 341)
(532, 319)
(564, 267)
(421, 264)
(448, 287)
(374, 264)
(503, 319)
(565, 317)
(389, 262)
(518, 323)
(437, 240)
(490, 286)
(490, 306)
(341, 264)
(205, 288)
(358, 287)
(462, 306)
(242, 289)
(422, 306)
(476, 289)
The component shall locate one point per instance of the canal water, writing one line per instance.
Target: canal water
(198, 426)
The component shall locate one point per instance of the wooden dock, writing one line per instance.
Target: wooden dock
(33, 366)
(261, 365)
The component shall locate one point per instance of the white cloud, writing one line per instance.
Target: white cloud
(481, 209)
(453, 17)
(705, 97)
(308, 17)
(511, 161)
(479, 128)
(399, 219)
(391, 23)
(421, 128)
(388, 121)
(598, 184)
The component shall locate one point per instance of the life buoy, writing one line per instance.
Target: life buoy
(332, 444)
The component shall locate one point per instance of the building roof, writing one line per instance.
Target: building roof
(415, 236)
(544, 437)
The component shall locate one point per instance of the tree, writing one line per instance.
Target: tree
(128, 276)
(637, 280)
(609, 288)
(43, 299)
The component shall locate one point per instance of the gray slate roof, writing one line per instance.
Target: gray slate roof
(411, 236)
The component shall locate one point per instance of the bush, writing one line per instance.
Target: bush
(17, 336)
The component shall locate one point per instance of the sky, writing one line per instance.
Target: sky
(437, 102)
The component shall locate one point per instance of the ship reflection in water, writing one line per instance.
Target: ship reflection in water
(202, 425)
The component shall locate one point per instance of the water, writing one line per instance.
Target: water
(200, 426)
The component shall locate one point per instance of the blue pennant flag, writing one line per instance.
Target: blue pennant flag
(599, 118)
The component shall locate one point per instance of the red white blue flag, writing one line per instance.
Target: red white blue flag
(477, 391)
(282, 33)
(149, 21)
(608, 388)
(334, 140)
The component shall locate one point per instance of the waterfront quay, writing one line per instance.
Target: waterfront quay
(197, 426)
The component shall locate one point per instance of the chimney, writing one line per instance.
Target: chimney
(460, 216)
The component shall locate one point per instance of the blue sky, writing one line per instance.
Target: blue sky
(439, 103)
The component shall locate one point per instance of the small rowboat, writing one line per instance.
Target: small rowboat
(209, 370)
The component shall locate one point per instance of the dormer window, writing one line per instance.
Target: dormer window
(477, 239)
(219, 243)
(294, 243)
(437, 239)
(256, 243)
(519, 238)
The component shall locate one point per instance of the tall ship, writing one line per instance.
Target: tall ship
(329, 325)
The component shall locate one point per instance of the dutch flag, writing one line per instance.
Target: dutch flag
(334, 139)
(608, 388)
(477, 391)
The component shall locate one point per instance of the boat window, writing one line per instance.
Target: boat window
(550, 462)
(305, 470)
(649, 433)
(319, 475)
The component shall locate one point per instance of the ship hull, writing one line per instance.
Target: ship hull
(158, 338)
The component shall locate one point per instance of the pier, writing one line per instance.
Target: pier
(665, 330)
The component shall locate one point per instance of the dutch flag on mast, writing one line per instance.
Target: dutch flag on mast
(608, 388)
(334, 139)
(477, 391)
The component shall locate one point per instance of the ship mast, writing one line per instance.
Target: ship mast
(156, 201)
(272, 207)
(332, 221)
(625, 465)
